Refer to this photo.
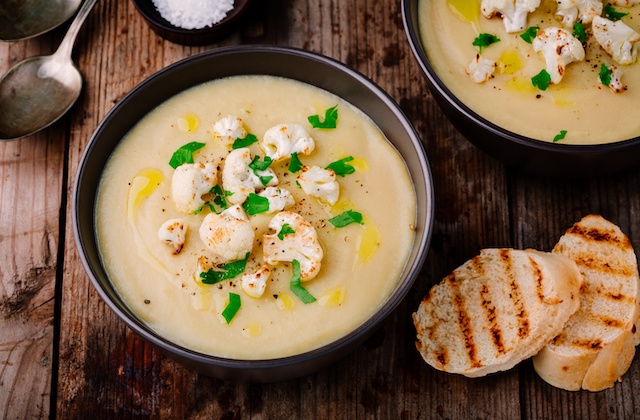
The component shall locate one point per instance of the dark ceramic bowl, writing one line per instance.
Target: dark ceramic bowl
(290, 63)
(203, 36)
(529, 155)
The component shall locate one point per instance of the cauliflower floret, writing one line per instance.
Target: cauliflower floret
(514, 12)
(240, 180)
(617, 39)
(281, 141)
(302, 245)
(228, 237)
(226, 130)
(190, 182)
(254, 284)
(279, 198)
(480, 69)
(572, 11)
(559, 49)
(173, 232)
(616, 84)
(320, 183)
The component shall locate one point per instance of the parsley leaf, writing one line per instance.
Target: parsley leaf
(346, 218)
(185, 154)
(225, 272)
(256, 204)
(484, 40)
(330, 118)
(294, 164)
(286, 229)
(612, 14)
(296, 287)
(245, 142)
(341, 167)
(579, 32)
(541, 80)
(605, 75)
(561, 135)
(220, 197)
(256, 165)
(232, 307)
(529, 34)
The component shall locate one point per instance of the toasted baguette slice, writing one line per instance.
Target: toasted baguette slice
(495, 310)
(597, 345)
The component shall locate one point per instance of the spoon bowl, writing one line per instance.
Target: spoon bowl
(36, 92)
(23, 19)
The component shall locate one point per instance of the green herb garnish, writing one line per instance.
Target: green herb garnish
(220, 197)
(256, 204)
(541, 80)
(185, 154)
(330, 118)
(346, 218)
(561, 135)
(579, 32)
(245, 142)
(294, 164)
(232, 308)
(341, 167)
(484, 40)
(257, 166)
(224, 272)
(605, 75)
(612, 14)
(286, 230)
(296, 287)
(530, 34)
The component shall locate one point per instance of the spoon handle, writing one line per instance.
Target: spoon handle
(66, 46)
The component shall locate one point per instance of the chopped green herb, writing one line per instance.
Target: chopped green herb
(541, 80)
(245, 142)
(185, 154)
(220, 197)
(257, 166)
(199, 209)
(256, 204)
(612, 14)
(579, 32)
(296, 287)
(484, 40)
(561, 135)
(346, 218)
(224, 272)
(330, 118)
(294, 164)
(232, 308)
(605, 75)
(341, 167)
(286, 230)
(530, 34)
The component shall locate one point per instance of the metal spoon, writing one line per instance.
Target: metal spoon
(23, 19)
(36, 92)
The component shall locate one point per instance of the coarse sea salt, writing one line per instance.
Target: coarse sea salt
(193, 14)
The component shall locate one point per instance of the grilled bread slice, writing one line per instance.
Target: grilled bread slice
(597, 345)
(495, 310)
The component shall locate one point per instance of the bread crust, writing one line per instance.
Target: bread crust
(495, 310)
(591, 354)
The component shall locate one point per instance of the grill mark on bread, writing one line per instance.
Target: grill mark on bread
(538, 275)
(588, 344)
(588, 262)
(464, 321)
(598, 235)
(516, 296)
(490, 310)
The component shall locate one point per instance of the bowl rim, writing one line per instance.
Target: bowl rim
(158, 20)
(409, 273)
(411, 25)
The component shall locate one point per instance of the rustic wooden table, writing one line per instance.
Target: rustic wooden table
(64, 353)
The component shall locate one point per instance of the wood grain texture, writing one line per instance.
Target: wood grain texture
(98, 367)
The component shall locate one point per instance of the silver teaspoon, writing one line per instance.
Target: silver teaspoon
(36, 92)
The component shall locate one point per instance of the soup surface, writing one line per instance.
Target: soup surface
(580, 105)
(361, 263)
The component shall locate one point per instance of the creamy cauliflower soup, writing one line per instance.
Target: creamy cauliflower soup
(502, 77)
(236, 221)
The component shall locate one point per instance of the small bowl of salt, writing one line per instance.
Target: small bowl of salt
(193, 22)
